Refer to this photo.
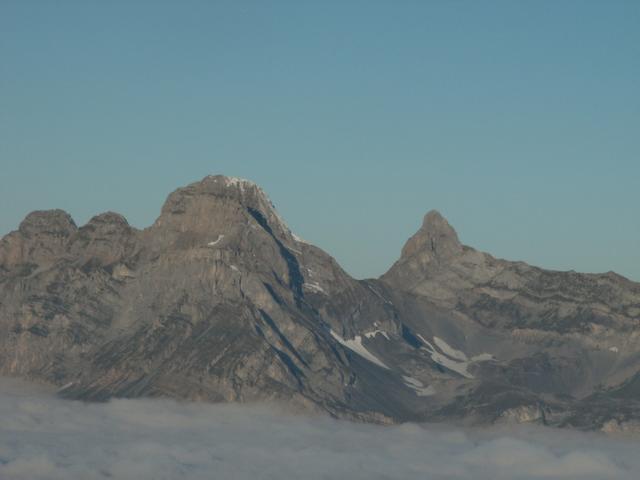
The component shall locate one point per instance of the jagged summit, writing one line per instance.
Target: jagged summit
(435, 237)
(215, 186)
(433, 220)
(433, 247)
(222, 185)
(218, 301)
(197, 205)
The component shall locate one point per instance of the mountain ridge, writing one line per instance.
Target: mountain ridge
(218, 300)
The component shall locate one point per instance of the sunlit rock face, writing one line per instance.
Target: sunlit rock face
(219, 301)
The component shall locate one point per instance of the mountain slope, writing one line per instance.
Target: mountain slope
(219, 301)
(556, 338)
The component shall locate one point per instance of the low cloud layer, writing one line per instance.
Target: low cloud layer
(42, 437)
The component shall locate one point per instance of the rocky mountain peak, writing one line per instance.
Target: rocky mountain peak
(218, 301)
(40, 238)
(218, 211)
(48, 222)
(204, 204)
(435, 237)
(214, 187)
(105, 239)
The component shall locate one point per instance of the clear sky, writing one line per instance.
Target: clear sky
(518, 120)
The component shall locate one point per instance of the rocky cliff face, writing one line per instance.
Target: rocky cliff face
(558, 340)
(218, 301)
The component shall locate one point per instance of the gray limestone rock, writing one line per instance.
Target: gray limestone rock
(219, 301)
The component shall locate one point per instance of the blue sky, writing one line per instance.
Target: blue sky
(519, 121)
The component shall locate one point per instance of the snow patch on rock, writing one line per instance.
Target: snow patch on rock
(418, 387)
(452, 358)
(241, 183)
(356, 346)
(376, 332)
(449, 351)
(299, 239)
(314, 287)
(215, 242)
(245, 185)
(64, 387)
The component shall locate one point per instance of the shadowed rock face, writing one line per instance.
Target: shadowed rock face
(219, 301)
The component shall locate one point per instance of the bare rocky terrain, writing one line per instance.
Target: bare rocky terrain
(218, 301)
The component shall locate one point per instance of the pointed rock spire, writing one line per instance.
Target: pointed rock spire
(436, 238)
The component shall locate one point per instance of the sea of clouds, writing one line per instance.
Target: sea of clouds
(44, 437)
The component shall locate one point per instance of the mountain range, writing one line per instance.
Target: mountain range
(219, 301)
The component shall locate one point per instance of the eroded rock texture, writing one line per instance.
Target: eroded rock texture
(218, 301)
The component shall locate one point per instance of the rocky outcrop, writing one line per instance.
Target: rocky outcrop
(40, 239)
(219, 301)
(215, 301)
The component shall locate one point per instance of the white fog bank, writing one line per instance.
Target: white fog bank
(43, 437)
